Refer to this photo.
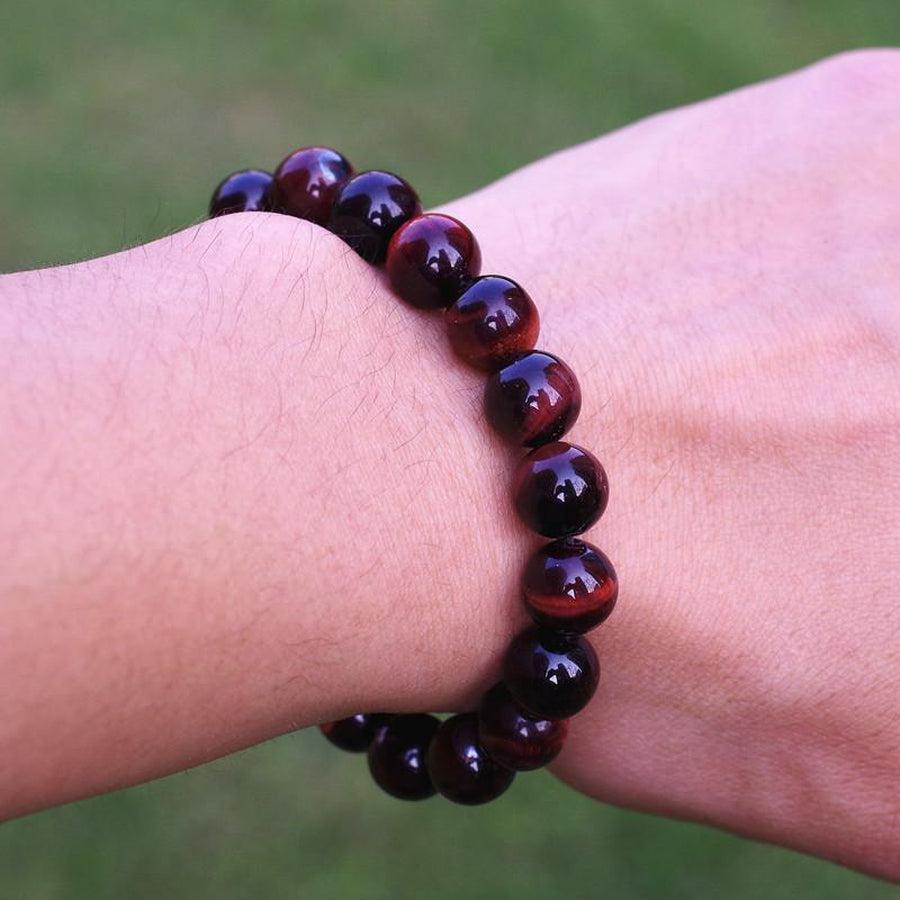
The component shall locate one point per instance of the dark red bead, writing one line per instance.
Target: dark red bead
(533, 400)
(552, 675)
(354, 733)
(431, 259)
(560, 489)
(398, 756)
(368, 210)
(512, 737)
(307, 181)
(570, 585)
(247, 191)
(460, 767)
(492, 322)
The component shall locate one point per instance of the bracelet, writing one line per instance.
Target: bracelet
(531, 399)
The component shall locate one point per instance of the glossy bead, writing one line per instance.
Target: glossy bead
(492, 322)
(560, 489)
(431, 259)
(354, 733)
(247, 191)
(368, 210)
(398, 756)
(552, 675)
(460, 767)
(307, 180)
(533, 400)
(512, 737)
(570, 585)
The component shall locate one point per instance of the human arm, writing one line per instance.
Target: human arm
(247, 490)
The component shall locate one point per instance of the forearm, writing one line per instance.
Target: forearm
(241, 488)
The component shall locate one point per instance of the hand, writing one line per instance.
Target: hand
(248, 490)
(724, 279)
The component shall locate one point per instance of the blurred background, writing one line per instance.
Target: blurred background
(116, 121)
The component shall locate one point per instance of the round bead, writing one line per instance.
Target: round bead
(552, 675)
(307, 180)
(533, 400)
(492, 322)
(398, 756)
(368, 210)
(431, 259)
(560, 489)
(512, 737)
(460, 767)
(247, 191)
(354, 733)
(570, 585)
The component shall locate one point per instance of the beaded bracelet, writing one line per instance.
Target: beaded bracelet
(531, 399)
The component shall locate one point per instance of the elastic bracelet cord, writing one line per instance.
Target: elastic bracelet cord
(531, 399)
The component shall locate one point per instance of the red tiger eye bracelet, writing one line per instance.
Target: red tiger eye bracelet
(531, 399)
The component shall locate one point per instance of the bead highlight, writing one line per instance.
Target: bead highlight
(514, 738)
(551, 675)
(533, 400)
(560, 489)
(431, 259)
(461, 768)
(249, 190)
(355, 733)
(398, 756)
(307, 180)
(368, 210)
(570, 585)
(493, 322)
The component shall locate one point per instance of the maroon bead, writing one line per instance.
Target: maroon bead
(460, 767)
(368, 210)
(533, 400)
(492, 323)
(398, 756)
(570, 585)
(307, 180)
(354, 733)
(431, 259)
(512, 737)
(552, 675)
(560, 489)
(247, 191)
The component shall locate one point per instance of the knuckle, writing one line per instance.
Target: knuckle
(864, 64)
(845, 113)
(859, 77)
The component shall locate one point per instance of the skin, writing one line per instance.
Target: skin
(247, 490)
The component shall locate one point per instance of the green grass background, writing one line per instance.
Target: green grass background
(116, 119)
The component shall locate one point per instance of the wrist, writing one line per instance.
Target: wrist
(354, 450)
